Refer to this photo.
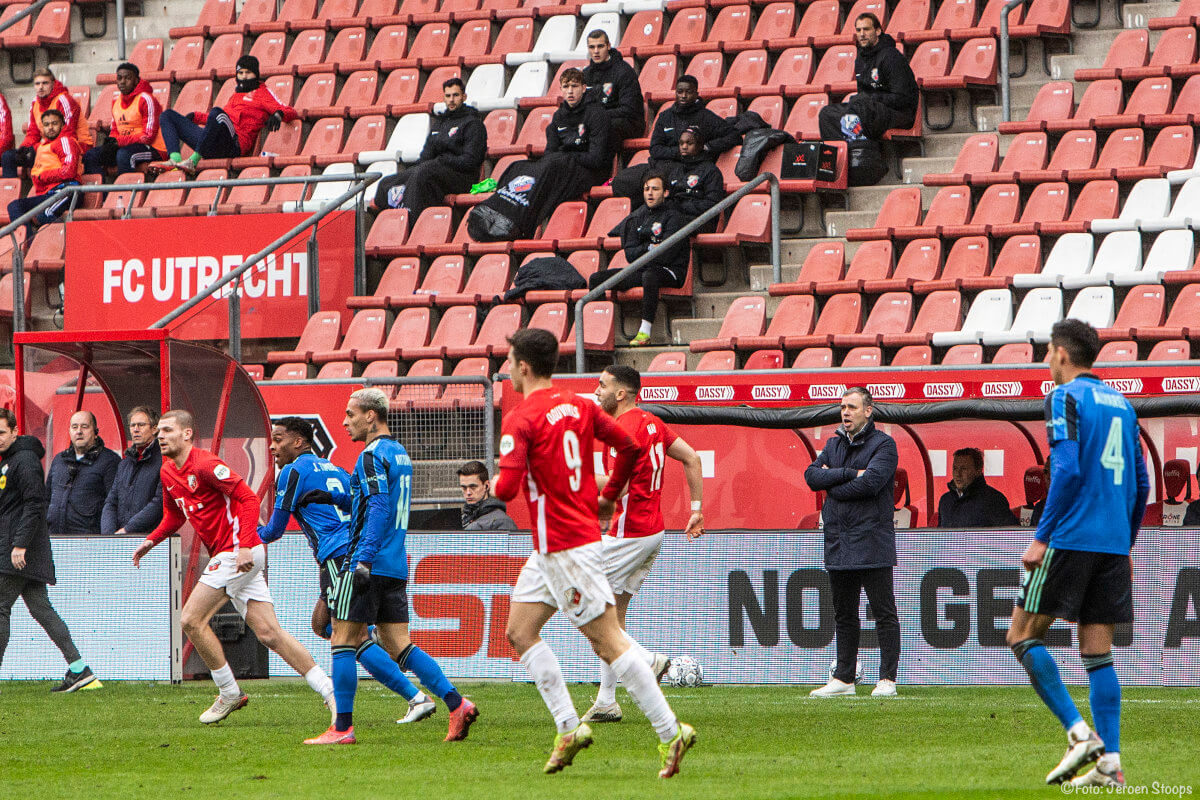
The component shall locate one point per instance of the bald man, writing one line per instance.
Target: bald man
(80, 479)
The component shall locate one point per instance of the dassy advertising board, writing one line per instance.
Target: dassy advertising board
(129, 273)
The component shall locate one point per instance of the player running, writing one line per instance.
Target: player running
(373, 584)
(549, 436)
(327, 529)
(636, 532)
(198, 487)
(1078, 566)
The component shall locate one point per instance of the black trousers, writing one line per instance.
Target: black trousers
(847, 585)
(877, 119)
(38, 602)
(420, 187)
(650, 278)
(625, 128)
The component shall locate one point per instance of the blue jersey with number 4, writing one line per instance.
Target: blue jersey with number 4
(326, 527)
(383, 468)
(1098, 480)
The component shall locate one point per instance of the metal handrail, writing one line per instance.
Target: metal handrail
(680, 235)
(22, 14)
(1005, 93)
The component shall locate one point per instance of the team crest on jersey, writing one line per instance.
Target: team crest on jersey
(608, 87)
(521, 184)
(582, 129)
(214, 565)
(875, 74)
(656, 228)
(453, 131)
(574, 596)
(192, 482)
(221, 471)
(692, 181)
(506, 444)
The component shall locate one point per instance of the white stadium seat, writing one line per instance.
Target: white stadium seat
(990, 311)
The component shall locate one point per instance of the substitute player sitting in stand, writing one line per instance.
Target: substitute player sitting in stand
(373, 584)
(134, 137)
(57, 164)
(1078, 567)
(635, 534)
(200, 488)
(48, 93)
(545, 443)
(327, 530)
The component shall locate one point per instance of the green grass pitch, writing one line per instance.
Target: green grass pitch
(138, 740)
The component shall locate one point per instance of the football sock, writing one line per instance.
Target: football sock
(319, 682)
(175, 158)
(1044, 675)
(1111, 762)
(1105, 699)
(226, 683)
(542, 665)
(194, 158)
(379, 664)
(429, 673)
(639, 681)
(77, 666)
(608, 680)
(646, 327)
(345, 682)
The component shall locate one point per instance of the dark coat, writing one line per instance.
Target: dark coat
(1191, 517)
(883, 74)
(135, 500)
(548, 272)
(860, 530)
(489, 514)
(79, 487)
(980, 506)
(718, 134)
(696, 186)
(614, 85)
(583, 131)
(651, 226)
(457, 140)
(23, 510)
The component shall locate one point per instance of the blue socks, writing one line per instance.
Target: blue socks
(379, 664)
(345, 682)
(1105, 699)
(1043, 674)
(430, 674)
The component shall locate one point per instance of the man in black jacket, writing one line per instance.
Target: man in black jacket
(716, 134)
(971, 503)
(856, 470)
(134, 504)
(613, 83)
(449, 163)
(696, 183)
(887, 90)
(80, 479)
(26, 562)
(644, 230)
(481, 511)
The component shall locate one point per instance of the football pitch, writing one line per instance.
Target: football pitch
(137, 740)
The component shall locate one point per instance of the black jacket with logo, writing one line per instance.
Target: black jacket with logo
(614, 85)
(883, 75)
(23, 510)
(646, 228)
(582, 130)
(457, 140)
(718, 134)
(696, 186)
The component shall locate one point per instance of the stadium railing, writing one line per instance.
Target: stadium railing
(679, 236)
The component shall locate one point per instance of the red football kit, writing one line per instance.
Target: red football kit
(214, 498)
(639, 512)
(550, 436)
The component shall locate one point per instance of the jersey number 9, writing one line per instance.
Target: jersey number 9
(573, 459)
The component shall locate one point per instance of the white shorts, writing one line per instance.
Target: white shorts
(242, 587)
(627, 562)
(572, 581)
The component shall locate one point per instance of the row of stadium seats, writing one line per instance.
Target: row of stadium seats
(1151, 104)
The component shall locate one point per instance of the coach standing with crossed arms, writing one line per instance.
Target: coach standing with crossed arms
(856, 470)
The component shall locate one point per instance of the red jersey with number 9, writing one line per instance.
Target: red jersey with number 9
(639, 512)
(548, 440)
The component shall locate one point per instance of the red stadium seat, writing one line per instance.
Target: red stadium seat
(814, 358)
(253, 12)
(1150, 96)
(644, 31)
(970, 257)
(246, 195)
(687, 26)
(908, 16)
(1124, 148)
(366, 332)
(1113, 352)
(444, 276)
(492, 340)
(1187, 14)
(951, 15)
(1185, 110)
(901, 208)
(214, 12)
(776, 21)
(336, 370)
(949, 206)
(1181, 322)
(457, 328)
(999, 205)
(793, 317)
(325, 139)
(566, 222)
(731, 25)
(164, 199)
(47, 251)
(1047, 203)
(607, 216)
(431, 228)
(1144, 307)
(1173, 350)
(599, 329)
(358, 90)
(321, 333)
(824, 262)
(863, 358)
(487, 281)
(920, 261)
(749, 69)
(803, 120)
(186, 54)
(551, 317)
(1055, 102)
(746, 316)
(1172, 55)
(1172, 150)
(846, 35)
(1130, 48)
(147, 56)
(409, 396)
(989, 22)
(717, 361)
(940, 311)
(368, 133)
(892, 311)
(295, 11)
(668, 362)
(931, 60)
(1014, 353)
(399, 279)
(224, 53)
(1044, 18)
(410, 329)
(913, 355)
(1100, 99)
(388, 233)
(1026, 152)
(390, 44)
(292, 371)
(765, 359)
(1097, 200)
(532, 138)
(873, 261)
(963, 355)
(842, 314)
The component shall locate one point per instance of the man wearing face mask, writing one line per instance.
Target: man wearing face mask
(481, 511)
(229, 132)
(887, 90)
(856, 471)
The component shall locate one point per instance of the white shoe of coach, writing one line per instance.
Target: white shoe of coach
(834, 688)
(884, 688)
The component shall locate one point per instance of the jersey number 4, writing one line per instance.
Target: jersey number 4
(1113, 456)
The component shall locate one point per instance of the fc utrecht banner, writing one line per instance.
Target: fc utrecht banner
(126, 274)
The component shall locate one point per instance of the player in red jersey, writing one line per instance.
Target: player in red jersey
(636, 531)
(198, 487)
(546, 447)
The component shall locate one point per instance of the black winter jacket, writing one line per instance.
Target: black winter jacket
(718, 134)
(614, 85)
(651, 226)
(883, 74)
(858, 513)
(23, 510)
(980, 506)
(79, 487)
(457, 140)
(135, 500)
(696, 186)
(489, 514)
(584, 130)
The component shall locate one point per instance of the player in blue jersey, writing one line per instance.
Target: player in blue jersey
(373, 585)
(1078, 566)
(327, 529)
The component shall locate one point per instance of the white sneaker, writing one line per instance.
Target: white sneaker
(1098, 777)
(662, 663)
(1080, 752)
(222, 708)
(885, 688)
(419, 708)
(610, 712)
(834, 688)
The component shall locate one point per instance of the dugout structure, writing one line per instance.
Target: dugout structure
(58, 373)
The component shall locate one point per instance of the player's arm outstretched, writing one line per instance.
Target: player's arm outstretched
(682, 452)
(285, 501)
(172, 520)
